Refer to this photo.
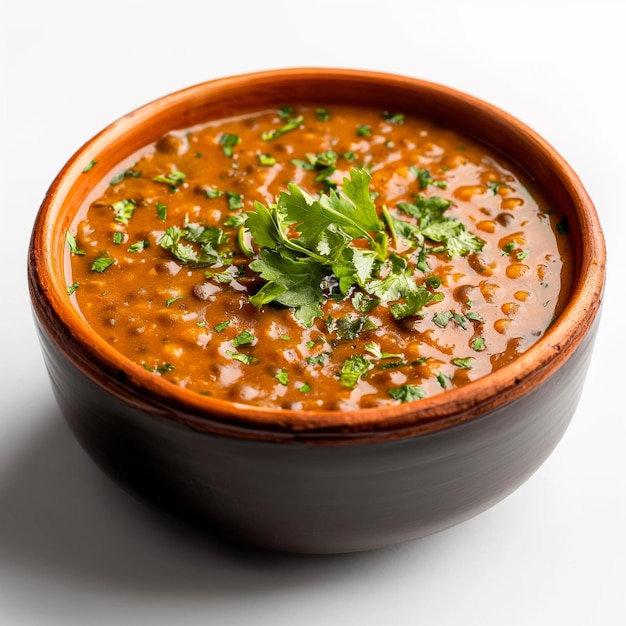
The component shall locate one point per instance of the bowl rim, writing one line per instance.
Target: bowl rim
(105, 366)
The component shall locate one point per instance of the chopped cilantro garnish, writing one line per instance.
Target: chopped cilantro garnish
(266, 159)
(323, 162)
(246, 359)
(295, 267)
(138, 246)
(305, 388)
(375, 350)
(465, 363)
(433, 282)
(475, 317)
(171, 301)
(243, 338)
(433, 225)
(70, 240)
(221, 326)
(394, 118)
(407, 393)
(425, 178)
(442, 318)
(161, 210)
(282, 376)
(213, 193)
(494, 185)
(72, 288)
(102, 263)
(318, 359)
(353, 369)
(322, 114)
(363, 130)
(89, 166)
(173, 179)
(235, 200)
(235, 220)
(478, 344)
(508, 247)
(129, 173)
(228, 141)
(349, 328)
(124, 210)
(291, 124)
(178, 241)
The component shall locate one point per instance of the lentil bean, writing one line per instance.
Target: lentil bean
(517, 270)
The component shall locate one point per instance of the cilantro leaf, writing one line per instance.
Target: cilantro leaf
(70, 240)
(207, 238)
(245, 337)
(338, 238)
(353, 369)
(173, 179)
(101, 264)
(291, 124)
(407, 393)
(228, 141)
(432, 224)
(456, 238)
(400, 284)
(124, 210)
(292, 283)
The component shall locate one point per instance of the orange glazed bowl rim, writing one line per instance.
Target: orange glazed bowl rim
(127, 380)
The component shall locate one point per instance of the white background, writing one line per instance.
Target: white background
(76, 549)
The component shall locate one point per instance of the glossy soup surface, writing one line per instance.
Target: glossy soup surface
(160, 263)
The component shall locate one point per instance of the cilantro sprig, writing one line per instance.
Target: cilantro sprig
(194, 244)
(337, 239)
(302, 241)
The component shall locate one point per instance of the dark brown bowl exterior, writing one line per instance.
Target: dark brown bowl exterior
(321, 482)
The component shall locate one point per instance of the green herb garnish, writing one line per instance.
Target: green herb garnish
(70, 240)
(221, 326)
(228, 141)
(353, 369)
(161, 210)
(89, 166)
(407, 393)
(101, 264)
(282, 376)
(246, 359)
(173, 179)
(129, 173)
(138, 246)
(207, 240)
(291, 124)
(463, 363)
(266, 160)
(327, 229)
(124, 210)
(243, 338)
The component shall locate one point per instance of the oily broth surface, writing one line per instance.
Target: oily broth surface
(182, 325)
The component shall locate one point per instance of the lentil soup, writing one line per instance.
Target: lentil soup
(316, 258)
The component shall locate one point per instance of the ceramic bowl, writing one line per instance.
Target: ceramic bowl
(319, 482)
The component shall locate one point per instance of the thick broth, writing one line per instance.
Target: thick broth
(193, 323)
